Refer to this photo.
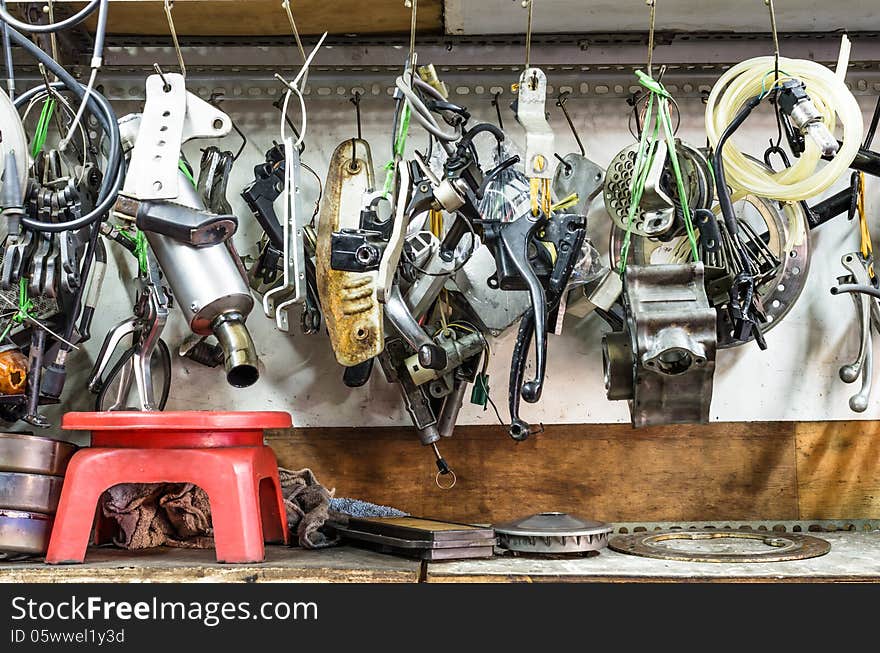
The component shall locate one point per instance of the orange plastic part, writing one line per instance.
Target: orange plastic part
(13, 372)
(222, 453)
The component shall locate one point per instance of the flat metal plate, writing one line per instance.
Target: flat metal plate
(721, 546)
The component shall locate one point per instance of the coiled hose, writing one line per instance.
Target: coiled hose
(753, 79)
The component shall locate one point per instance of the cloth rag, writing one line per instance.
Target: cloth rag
(179, 514)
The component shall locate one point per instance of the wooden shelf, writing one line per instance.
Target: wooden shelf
(266, 17)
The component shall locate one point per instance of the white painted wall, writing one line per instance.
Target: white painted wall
(795, 379)
(572, 16)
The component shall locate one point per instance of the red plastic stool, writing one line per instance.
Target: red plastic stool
(222, 453)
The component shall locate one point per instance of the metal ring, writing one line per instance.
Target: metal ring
(446, 487)
(781, 546)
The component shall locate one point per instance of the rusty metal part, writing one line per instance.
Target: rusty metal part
(352, 312)
(664, 359)
(30, 492)
(31, 454)
(552, 533)
(780, 547)
(24, 533)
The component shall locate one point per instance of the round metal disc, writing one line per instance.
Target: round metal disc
(672, 545)
(30, 492)
(31, 454)
(551, 533)
(23, 533)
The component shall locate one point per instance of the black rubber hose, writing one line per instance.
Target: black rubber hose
(50, 28)
(101, 109)
(718, 163)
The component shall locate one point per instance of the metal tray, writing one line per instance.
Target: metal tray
(30, 492)
(31, 454)
(23, 533)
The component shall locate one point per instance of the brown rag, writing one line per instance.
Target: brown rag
(159, 514)
(179, 514)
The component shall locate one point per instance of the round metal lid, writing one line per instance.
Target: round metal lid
(554, 524)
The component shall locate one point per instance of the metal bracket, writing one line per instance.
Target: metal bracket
(531, 114)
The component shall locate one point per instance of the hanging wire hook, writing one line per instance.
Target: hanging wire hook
(169, 4)
(356, 101)
(560, 102)
(414, 5)
(286, 5)
(530, 5)
(497, 106)
(769, 4)
(653, 5)
(165, 85)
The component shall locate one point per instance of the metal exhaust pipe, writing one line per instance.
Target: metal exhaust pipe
(239, 354)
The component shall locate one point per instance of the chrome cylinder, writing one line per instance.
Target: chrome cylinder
(212, 291)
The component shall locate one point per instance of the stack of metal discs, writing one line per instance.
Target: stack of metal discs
(31, 474)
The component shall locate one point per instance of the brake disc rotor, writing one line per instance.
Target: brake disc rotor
(657, 210)
(786, 236)
(721, 546)
(549, 533)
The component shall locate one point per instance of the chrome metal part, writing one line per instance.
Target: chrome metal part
(458, 348)
(352, 312)
(863, 366)
(31, 454)
(391, 255)
(497, 309)
(664, 360)
(239, 354)
(655, 215)
(577, 174)
(552, 533)
(721, 546)
(24, 533)
(30, 492)
(531, 113)
(14, 141)
(206, 281)
(293, 285)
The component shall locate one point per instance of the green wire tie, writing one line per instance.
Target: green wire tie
(140, 248)
(399, 146)
(24, 308)
(186, 173)
(645, 159)
(42, 129)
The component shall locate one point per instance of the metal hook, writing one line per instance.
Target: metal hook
(560, 102)
(653, 5)
(169, 4)
(413, 5)
(769, 4)
(286, 5)
(356, 101)
(215, 99)
(165, 85)
(497, 106)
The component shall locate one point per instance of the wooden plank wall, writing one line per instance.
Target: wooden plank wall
(739, 471)
(266, 17)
